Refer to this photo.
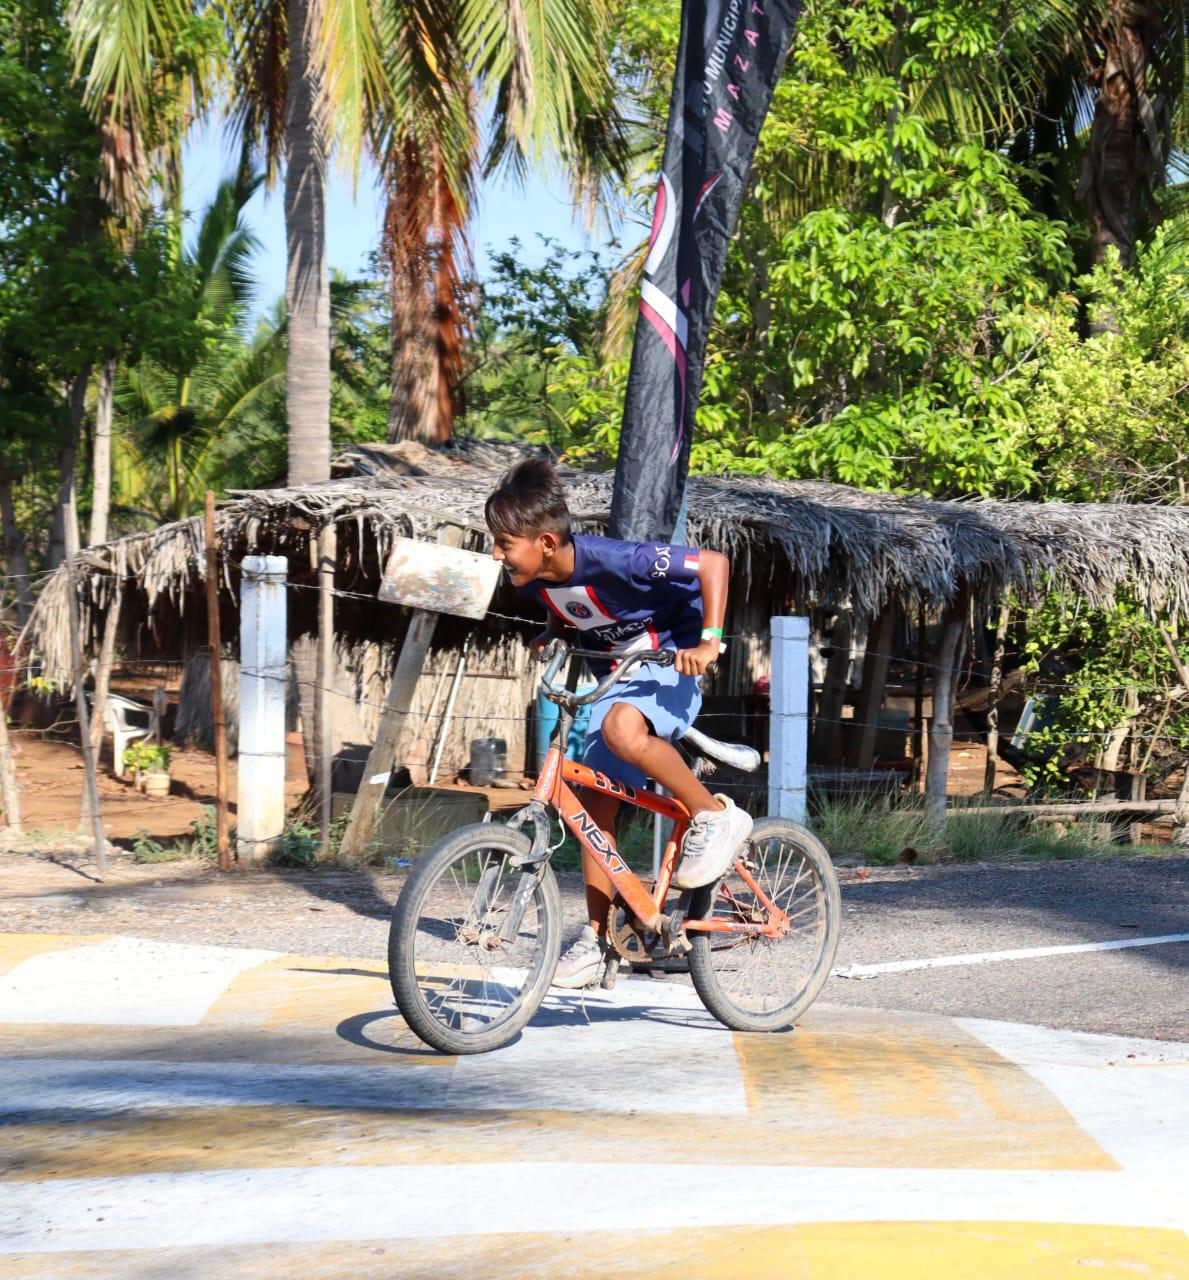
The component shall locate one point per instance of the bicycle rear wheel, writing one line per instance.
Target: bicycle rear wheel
(474, 940)
(755, 983)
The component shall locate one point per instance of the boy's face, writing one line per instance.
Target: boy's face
(524, 555)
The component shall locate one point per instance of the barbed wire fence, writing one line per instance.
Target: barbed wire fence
(25, 674)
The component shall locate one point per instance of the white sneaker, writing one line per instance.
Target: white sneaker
(710, 844)
(581, 963)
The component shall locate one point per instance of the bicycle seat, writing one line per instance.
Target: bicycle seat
(735, 754)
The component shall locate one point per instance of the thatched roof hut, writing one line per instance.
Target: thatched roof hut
(794, 546)
(805, 542)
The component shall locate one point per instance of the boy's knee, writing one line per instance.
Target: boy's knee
(624, 730)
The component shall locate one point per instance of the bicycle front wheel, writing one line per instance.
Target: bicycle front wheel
(474, 940)
(755, 983)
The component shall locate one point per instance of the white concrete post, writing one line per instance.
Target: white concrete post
(788, 733)
(262, 680)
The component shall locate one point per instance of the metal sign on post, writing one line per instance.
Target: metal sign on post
(439, 579)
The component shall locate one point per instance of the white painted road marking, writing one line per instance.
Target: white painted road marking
(123, 982)
(990, 957)
(260, 1206)
(643, 1046)
(1130, 1096)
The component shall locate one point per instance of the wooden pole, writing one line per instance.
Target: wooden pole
(946, 666)
(382, 757)
(993, 711)
(829, 712)
(218, 718)
(10, 796)
(91, 781)
(861, 747)
(327, 554)
(1181, 813)
(107, 650)
(918, 705)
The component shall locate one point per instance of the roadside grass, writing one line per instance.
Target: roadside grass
(873, 831)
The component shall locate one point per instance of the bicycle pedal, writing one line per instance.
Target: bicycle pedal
(610, 972)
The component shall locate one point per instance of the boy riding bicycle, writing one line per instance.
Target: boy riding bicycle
(623, 597)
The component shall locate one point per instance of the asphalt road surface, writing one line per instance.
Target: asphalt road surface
(896, 914)
(942, 912)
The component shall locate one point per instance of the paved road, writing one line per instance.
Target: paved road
(175, 1110)
(895, 915)
(984, 909)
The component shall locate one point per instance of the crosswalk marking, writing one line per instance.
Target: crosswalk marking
(446, 1200)
(122, 981)
(292, 1116)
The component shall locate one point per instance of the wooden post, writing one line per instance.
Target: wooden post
(861, 747)
(9, 795)
(382, 757)
(993, 710)
(1181, 813)
(829, 711)
(91, 781)
(918, 705)
(946, 666)
(107, 650)
(218, 718)
(323, 716)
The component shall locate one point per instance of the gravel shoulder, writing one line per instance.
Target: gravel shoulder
(891, 914)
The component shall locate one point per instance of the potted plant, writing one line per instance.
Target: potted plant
(149, 762)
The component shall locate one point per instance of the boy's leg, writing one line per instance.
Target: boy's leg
(627, 733)
(717, 827)
(599, 888)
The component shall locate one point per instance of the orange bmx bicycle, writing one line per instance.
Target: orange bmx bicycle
(476, 932)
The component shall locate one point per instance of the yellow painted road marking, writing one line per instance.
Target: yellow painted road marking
(15, 948)
(879, 1251)
(911, 1089)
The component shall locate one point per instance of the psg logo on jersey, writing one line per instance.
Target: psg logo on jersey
(577, 610)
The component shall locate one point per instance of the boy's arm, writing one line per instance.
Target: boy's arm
(713, 575)
(554, 627)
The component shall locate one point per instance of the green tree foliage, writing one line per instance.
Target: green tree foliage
(900, 307)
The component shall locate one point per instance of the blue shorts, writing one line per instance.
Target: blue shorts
(669, 702)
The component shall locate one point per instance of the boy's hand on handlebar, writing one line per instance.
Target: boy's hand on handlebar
(538, 644)
(693, 662)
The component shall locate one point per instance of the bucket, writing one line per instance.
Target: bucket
(545, 714)
(489, 760)
(156, 784)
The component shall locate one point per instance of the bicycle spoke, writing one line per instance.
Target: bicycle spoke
(458, 948)
(759, 973)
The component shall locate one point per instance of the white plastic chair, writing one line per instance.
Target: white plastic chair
(117, 720)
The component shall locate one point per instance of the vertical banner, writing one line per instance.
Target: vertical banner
(728, 59)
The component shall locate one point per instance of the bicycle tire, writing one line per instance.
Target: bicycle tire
(709, 959)
(411, 924)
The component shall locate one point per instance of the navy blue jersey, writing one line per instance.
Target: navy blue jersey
(624, 596)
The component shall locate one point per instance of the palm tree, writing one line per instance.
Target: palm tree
(180, 418)
(148, 73)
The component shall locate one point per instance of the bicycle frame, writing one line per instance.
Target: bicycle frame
(552, 790)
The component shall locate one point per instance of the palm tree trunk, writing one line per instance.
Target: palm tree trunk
(64, 531)
(307, 283)
(101, 464)
(1126, 149)
(16, 558)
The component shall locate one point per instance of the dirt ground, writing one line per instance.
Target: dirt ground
(50, 778)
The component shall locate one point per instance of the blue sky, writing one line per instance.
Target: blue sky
(353, 216)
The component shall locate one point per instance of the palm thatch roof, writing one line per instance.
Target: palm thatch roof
(803, 542)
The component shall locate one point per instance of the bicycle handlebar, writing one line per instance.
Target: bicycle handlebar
(557, 651)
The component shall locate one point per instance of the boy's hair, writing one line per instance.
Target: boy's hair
(528, 500)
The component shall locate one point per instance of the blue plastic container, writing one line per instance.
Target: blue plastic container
(545, 721)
